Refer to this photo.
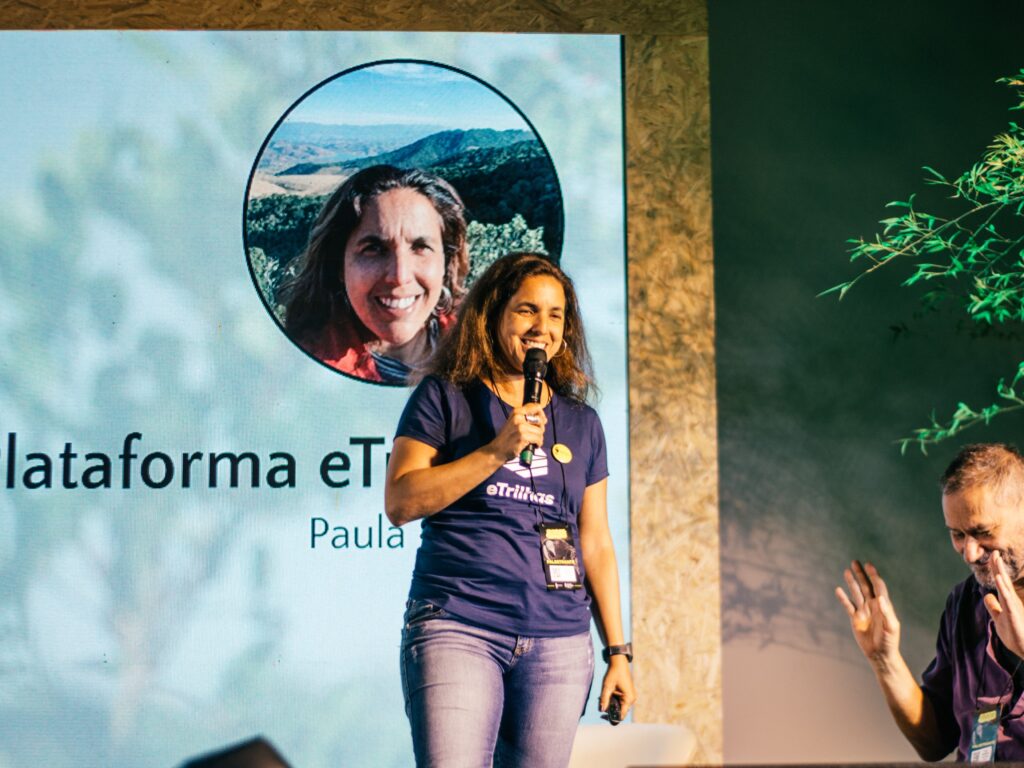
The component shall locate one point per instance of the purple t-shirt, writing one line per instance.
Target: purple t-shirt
(965, 675)
(480, 557)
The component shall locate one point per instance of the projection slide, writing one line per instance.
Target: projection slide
(193, 549)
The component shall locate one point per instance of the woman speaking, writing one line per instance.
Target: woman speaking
(515, 554)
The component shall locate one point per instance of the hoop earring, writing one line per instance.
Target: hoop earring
(445, 302)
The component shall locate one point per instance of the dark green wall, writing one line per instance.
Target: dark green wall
(822, 113)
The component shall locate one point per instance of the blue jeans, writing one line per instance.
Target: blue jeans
(474, 695)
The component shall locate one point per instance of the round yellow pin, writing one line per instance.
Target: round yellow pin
(561, 453)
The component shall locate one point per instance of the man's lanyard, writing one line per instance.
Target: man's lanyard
(985, 723)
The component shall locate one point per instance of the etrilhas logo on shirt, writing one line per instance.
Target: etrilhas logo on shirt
(538, 468)
(518, 491)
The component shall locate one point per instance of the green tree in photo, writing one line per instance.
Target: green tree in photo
(489, 242)
(971, 256)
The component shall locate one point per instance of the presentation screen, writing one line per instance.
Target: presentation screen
(193, 545)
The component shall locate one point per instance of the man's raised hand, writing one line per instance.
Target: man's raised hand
(1005, 607)
(872, 618)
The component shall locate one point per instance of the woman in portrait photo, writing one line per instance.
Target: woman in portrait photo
(496, 656)
(380, 279)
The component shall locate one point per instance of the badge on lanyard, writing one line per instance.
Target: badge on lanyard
(984, 731)
(558, 553)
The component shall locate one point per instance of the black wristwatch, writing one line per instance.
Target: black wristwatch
(618, 650)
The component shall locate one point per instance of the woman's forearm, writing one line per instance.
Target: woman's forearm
(603, 584)
(599, 561)
(416, 488)
(419, 486)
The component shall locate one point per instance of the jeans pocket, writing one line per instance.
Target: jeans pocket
(421, 611)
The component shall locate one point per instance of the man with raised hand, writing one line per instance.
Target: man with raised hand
(969, 697)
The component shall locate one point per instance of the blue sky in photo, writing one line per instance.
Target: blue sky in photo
(407, 93)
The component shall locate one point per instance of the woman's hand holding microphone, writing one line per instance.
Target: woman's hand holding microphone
(525, 426)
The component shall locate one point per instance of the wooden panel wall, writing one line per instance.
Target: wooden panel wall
(674, 491)
(673, 445)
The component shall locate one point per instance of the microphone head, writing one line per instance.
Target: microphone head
(535, 364)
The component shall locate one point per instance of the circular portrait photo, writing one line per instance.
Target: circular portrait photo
(376, 201)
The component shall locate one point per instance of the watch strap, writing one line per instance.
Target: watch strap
(626, 649)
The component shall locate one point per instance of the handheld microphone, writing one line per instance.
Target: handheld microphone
(535, 365)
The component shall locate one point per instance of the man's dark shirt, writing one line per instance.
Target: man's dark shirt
(966, 674)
